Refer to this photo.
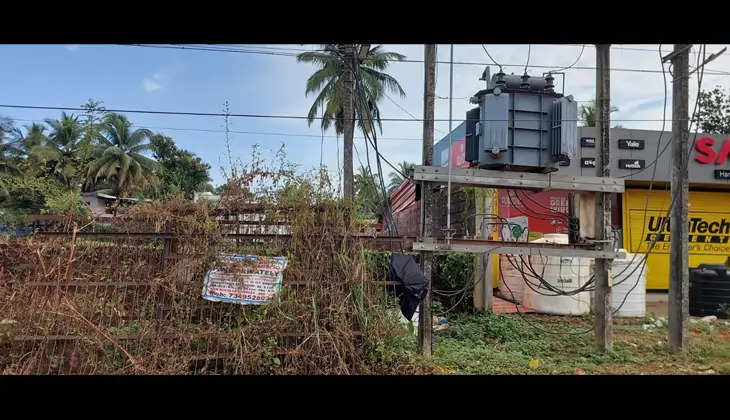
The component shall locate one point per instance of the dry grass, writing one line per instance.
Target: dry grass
(122, 306)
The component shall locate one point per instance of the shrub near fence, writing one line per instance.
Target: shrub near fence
(124, 304)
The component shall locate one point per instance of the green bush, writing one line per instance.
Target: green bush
(67, 203)
(26, 195)
(453, 272)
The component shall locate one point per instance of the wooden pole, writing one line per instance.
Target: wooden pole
(348, 109)
(425, 329)
(678, 221)
(602, 304)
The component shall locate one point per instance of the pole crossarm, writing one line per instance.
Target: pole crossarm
(514, 248)
(503, 179)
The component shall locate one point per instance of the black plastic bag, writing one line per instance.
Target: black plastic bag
(412, 288)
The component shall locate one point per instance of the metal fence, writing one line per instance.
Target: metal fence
(130, 302)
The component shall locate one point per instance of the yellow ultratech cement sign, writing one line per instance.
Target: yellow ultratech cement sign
(709, 230)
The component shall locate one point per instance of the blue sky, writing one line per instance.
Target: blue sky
(180, 80)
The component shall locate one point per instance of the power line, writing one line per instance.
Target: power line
(253, 46)
(406, 111)
(241, 51)
(298, 117)
(616, 48)
(265, 133)
(490, 57)
(574, 63)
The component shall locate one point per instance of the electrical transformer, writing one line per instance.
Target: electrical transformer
(521, 124)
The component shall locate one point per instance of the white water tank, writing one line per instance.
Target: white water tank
(628, 278)
(564, 273)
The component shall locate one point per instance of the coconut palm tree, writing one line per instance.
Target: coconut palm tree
(34, 136)
(367, 192)
(9, 152)
(328, 82)
(396, 179)
(121, 162)
(58, 150)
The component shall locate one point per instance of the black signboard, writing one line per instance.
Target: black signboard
(722, 174)
(631, 144)
(588, 142)
(631, 163)
(588, 163)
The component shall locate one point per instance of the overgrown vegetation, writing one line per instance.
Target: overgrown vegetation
(510, 344)
(125, 306)
(44, 167)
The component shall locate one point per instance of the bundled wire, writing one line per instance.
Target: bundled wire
(530, 212)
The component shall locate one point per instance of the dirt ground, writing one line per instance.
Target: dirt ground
(657, 302)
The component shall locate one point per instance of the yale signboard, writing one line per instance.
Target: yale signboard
(709, 230)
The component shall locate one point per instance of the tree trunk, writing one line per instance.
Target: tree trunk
(348, 50)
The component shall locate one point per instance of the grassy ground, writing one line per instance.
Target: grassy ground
(508, 344)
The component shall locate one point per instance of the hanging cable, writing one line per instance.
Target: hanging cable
(451, 163)
(490, 57)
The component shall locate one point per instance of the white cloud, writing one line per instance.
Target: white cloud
(160, 78)
(73, 47)
(150, 84)
(156, 82)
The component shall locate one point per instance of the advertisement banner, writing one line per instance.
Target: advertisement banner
(458, 152)
(515, 229)
(708, 230)
(244, 279)
(534, 206)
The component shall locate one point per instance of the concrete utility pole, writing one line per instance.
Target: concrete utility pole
(348, 109)
(678, 221)
(602, 307)
(425, 329)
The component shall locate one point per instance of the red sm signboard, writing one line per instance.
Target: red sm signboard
(458, 152)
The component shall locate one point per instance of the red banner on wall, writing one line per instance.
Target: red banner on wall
(458, 152)
(540, 209)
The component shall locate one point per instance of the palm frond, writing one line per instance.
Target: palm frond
(140, 148)
(125, 161)
(318, 58)
(45, 153)
(138, 137)
(316, 80)
(387, 80)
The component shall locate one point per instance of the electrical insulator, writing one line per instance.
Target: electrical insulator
(525, 82)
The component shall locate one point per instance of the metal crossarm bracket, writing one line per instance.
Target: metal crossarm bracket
(515, 248)
(502, 179)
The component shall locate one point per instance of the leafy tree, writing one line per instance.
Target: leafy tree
(58, 152)
(396, 179)
(181, 170)
(588, 114)
(10, 150)
(713, 114)
(93, 119)
(367, 193)
(120, 160)
(26, 194)
(92, 122)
